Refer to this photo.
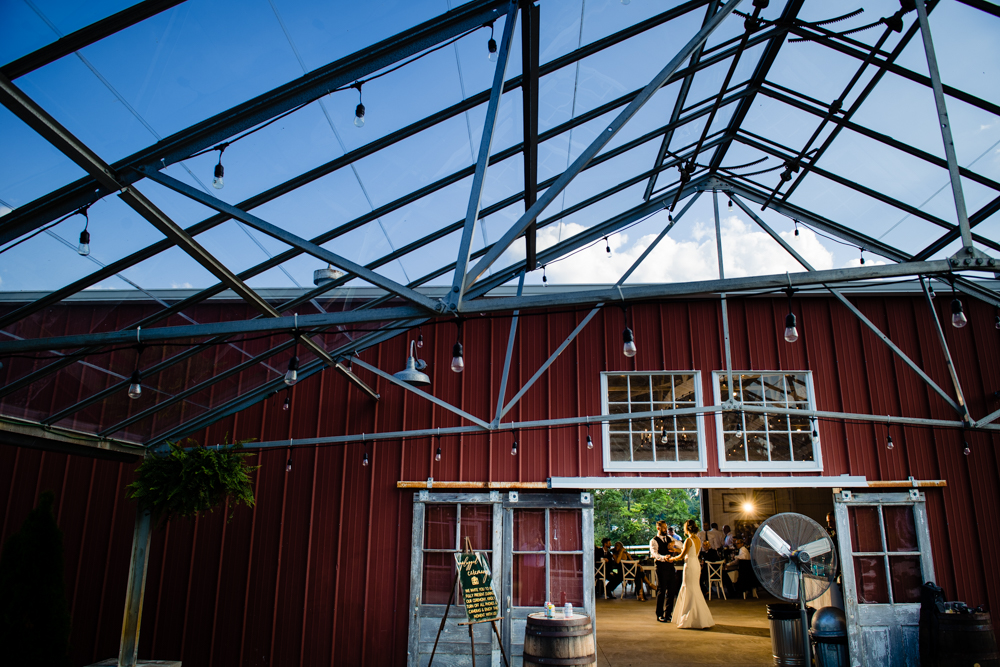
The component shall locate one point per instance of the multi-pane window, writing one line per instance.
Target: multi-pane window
(652, 442)
(886, 554)
(770, 440)
(445, 528)
(548, 557)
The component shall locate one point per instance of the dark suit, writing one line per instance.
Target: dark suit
(666, 579)
(612, 578)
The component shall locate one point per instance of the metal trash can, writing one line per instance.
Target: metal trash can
(786, 634)
(829, 637)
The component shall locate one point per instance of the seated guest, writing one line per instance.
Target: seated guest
(715, 537)
(604, 554)
(620, 555)
(728, 540)
(742, 553)
(675, 536)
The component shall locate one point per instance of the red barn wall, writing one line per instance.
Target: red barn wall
(318, 571)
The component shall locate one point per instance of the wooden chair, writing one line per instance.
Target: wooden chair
(629, 576)
(715, 575)
(599, 575)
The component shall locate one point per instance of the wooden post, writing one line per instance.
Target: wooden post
(500, 639)
(472, 640)
(136, 588)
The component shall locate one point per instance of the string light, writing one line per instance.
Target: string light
(513, 449)
(796, 227)
(628, 348)
(663, 433)
(997, 324)
(607, 246)
(791, 331)
(862, 255)
(292, 374)
(491, 47)
(288, 403)
(958, 318)
(437, 454)
(288, 466)
(359, 111)
(364, 461)
(457, 354)
(930, 290)
(217, 182)
(135, 389)
(420, 337)
(590, 441)
(888, 436)
(84, 247)
(729, 207)
(545, 280)
(815, 431)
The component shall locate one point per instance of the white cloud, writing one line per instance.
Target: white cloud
(181, 286)
(746, 249)
(856, 262)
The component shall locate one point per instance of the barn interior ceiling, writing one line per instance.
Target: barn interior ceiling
(433, 161)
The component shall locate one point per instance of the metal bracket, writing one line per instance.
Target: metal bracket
(430, 482)
(971, 257)
(423, 496)
(585, 498)
(732, 404)
(512, 497)
(914, 494)
(846, 496)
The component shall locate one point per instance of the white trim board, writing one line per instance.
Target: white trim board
(747, 482)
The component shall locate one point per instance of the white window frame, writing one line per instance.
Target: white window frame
(766, 466)
(700, 465)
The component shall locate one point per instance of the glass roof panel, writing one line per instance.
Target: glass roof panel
(32, 167)
(23, 31)
(966, 47)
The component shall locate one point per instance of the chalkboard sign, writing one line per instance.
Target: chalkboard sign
(477, 588)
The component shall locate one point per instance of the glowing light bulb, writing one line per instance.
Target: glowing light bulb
(590, 442)
(739, 433)
(359, 115)
(966, 451)
(513, 449)
(457, 358)
(218, 183)
(292, 375)
(958, 318)
(84, 247)
(437, 454)
(491, 46)
(663, 436)
(628, 349)
(135, 389)
(888, 442)
(791, 332)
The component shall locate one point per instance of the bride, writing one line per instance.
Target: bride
(691, 610)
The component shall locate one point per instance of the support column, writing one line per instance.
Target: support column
(136, 588)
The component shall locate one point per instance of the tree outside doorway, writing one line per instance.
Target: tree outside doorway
(630, 515)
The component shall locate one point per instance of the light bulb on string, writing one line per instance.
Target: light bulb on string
(815, 431)
(359, 111)
(288, 466)
(997, 323)
(545, 280)
(364, 461)
(491, 47)
(729, 206)
(967, 450)
(217, 181)
(607, 246)
(888, 442)
(135, 388)
(590, 442)
(930, 291)
(437, 454)
(84, 247)
(958, 318)
(513, 448)
(796, 227)
(739, 425)
(664, 439)
(292, 374)
(862, 255)
(287, 404)
(791, 331)
(457, 358)
(420, 337)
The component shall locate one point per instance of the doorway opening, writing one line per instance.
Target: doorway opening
(628, 631)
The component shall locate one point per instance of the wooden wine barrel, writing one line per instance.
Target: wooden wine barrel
(964, 639)
(559, 640)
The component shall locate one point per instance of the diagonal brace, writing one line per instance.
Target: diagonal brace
(850, 306)
(673, 221)
(423, 394)
(291, 239)
(550, 360)
(510, 353)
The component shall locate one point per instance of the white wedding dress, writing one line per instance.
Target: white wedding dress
(691, 610)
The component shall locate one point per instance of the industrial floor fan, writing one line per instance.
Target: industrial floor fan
(794, 558)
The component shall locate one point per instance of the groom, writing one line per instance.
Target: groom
(662, 547)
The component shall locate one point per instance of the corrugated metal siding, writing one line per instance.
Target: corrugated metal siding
(318, 572)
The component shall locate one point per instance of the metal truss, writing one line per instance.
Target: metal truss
(406, 305)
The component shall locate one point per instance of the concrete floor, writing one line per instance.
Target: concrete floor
(628, 634)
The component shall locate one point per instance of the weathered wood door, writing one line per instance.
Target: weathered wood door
(441, 522)
(548, 553)
(886, 556)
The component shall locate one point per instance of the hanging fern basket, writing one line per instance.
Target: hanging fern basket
(190, 480)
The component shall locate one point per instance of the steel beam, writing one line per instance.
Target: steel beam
(262, 108)
(608, 418)
(529, 103)
(964, 409)
(945, 124)
(422, 394)
(548, 362)
(602, 140)
(510, 352)
(850, 306)
(285, 236)
(128, 649)
(724, 304)
(86, 36)
(974, 219)
(486, 142)
(78, 194)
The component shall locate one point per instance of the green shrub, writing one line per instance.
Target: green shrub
(191, 480)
